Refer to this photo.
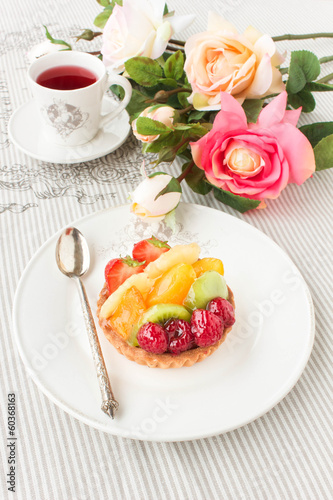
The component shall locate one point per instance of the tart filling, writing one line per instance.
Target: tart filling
(168, 310)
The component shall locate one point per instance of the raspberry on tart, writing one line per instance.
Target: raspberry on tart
(180, 335)
(223, 309)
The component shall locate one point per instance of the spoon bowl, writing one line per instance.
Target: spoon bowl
(72, 253)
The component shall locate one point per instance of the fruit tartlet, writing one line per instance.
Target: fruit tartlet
(164, 307)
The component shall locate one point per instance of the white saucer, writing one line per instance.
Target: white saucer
(25, 131)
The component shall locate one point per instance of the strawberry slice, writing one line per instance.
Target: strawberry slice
(149, 250)
(118, 270)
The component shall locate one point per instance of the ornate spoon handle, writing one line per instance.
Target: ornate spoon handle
(109, 404)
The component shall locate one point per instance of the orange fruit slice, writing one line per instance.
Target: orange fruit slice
(208, 264)
(173, 286)
(127, 312)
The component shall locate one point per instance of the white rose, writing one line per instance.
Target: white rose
(138, 28)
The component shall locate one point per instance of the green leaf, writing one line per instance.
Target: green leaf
(191, 129)
(137, 103)
(304, 99)
(102, 18)
(196, 180)
(200, 129)
(183, 148)
(147, 126)
(296, 81)
(118, 91)
(183, 126)
(144, 71)
(174, 65)
(166, 10)
(304, 67)
(186, 155)
(173, 186)
(166, 154)
(170, 139)
(252, 108)
(54, 40)
(315, 132)
(103, 3)
(195, 115)
(239, 203)
(318, 87)
(182, 99)
(168, 82)
(170, 220)
(156, 173)
(324, 153)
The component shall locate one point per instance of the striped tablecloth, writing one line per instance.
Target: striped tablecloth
(286, 454)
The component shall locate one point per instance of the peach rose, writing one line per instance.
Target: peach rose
(255, 160)
(221, 59)
(162, 114)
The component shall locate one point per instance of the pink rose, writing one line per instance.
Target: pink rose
(139, 28)
(162, 114)
(221, 59)
(255, 160)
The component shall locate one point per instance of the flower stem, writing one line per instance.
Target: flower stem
(186, 171)
(186, 110)
(163, 95)
(325, 59)
(325, 79)
(301, 37)
(177, 42)
(181, 89)
(173, 49)
(270, 96)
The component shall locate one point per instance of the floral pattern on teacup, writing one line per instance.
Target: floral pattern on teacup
(65, 118)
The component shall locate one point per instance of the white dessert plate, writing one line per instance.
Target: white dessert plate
(25, 131)
(259, 363)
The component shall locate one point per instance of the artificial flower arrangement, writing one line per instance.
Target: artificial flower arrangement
(221, 102)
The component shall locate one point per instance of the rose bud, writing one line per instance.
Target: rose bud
(163, 114)
(155, 197)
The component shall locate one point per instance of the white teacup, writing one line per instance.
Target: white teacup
(73, 117)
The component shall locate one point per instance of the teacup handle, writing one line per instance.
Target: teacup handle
(125, 84)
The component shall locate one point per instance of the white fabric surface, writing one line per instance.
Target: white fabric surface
(287, 453)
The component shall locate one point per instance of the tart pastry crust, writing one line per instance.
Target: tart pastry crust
(166, 360)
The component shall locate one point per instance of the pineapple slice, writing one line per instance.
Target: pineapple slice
(141, 281)
(179, 254)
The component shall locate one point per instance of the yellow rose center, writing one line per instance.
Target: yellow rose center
(244, 162)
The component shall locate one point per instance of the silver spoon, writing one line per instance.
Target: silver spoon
(73, 259)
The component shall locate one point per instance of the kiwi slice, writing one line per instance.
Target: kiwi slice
(159, 313)
(205, 288)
